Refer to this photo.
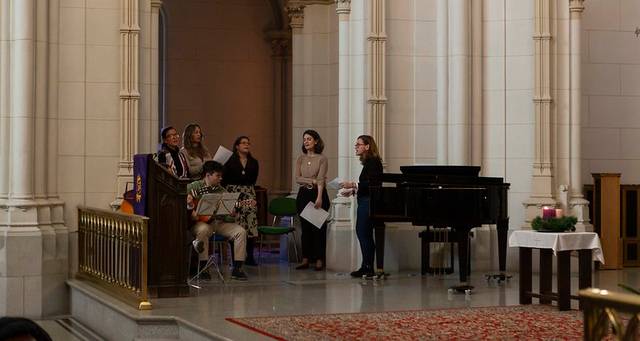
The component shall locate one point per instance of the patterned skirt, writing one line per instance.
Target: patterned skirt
(248, 215)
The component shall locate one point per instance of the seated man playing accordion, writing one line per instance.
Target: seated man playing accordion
(205, 226)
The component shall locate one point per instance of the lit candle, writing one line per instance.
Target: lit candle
(559, 213)
(548, 212)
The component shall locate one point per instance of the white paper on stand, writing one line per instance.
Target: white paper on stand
(222, 155)
(316, 216)
(334, 184)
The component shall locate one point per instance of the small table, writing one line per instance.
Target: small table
(561, 244)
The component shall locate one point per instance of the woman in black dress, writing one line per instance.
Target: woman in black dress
(240, 175)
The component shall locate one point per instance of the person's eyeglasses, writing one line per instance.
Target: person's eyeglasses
(358, 145)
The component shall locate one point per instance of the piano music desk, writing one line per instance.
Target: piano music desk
(561, 244)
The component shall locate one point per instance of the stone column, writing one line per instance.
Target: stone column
(459, 82)
(280, 48)
(21, 269)
(476, 84)
(35, 241)
(154, 73)
(377, 100)
(442, 110)
(342, 246)
(578, 206)
(296, 22)
(542, 182)
(5, 86)
(129, 92)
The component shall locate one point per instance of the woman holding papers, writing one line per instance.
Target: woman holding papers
(311, 174)
(193, 150)
(367, 150)
(240, 176)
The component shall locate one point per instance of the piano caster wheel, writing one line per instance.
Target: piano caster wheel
(467, 292)
(498, 278)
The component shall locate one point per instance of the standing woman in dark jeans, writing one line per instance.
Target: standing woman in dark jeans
(311, 175)
(240, 176)
(367, 150)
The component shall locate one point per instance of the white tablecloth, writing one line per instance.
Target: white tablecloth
(566, 241)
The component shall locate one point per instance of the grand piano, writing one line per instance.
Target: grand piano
(441, 196)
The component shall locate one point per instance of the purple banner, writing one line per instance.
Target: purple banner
(140, 165)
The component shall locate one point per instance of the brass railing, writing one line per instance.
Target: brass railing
(112, 253)
(610, 312)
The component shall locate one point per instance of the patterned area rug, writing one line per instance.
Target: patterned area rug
(532, 322)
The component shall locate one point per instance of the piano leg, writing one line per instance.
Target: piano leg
(503, 229)
(379, 238)
(463, 252)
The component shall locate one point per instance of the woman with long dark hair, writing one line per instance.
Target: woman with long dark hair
(367, 150)
(194, 150)
(311, 175)
(240, 176)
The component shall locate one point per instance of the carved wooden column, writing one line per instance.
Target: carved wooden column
(542, 181)
(377, 100)
(577, 204)
(129, 91)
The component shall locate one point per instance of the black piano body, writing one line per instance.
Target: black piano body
(451, 196)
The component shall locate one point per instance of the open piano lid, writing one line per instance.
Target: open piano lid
(440, 170)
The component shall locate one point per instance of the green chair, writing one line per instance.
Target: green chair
(279, 208)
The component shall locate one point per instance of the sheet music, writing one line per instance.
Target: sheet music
(217, 203)
(334, 184)
(316, 216)
(222, 155)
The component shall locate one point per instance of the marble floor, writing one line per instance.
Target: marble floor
(278, 289)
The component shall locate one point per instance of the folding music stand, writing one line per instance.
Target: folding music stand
(211, 263)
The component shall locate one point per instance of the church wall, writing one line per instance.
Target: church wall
(411, 83)
(220, 73)
(88, 102)
(315, 82)
(611, 89)
(508, 109)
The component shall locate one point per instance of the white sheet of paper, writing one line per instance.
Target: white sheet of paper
(217, 203)
(334, 184)
(316, 216)
(222, 155)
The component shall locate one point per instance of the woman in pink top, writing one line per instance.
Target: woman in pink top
(311, 175)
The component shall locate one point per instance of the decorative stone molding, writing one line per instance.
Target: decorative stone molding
(343, 6)
(576, 5)
(296, 16)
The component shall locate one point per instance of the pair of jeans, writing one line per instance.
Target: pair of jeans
(364, 231)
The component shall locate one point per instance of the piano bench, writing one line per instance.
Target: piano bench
(435, 235)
